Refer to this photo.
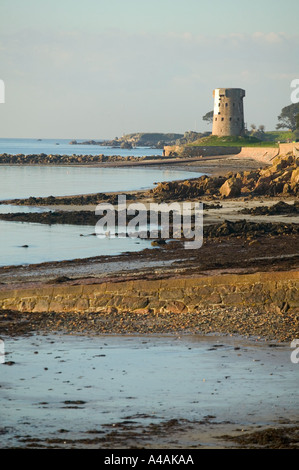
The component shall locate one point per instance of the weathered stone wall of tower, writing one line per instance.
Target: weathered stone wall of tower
(228, 116)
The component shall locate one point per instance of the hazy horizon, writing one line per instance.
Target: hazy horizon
(97, 70)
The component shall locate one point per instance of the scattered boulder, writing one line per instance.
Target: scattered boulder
(231, 188)
(158, 242)
(280, 178)
(295, 178)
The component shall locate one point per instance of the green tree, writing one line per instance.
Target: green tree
(288, 117)
(296, 133)
(208, 117)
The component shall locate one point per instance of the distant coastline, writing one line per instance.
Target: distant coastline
(139, 139)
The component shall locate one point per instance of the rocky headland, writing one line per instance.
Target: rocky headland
(139, 139)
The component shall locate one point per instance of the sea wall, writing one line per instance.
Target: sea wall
(263, 154)
(197, 151)
(277, 290)
(284, 149)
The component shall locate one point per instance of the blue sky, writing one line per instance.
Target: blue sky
(98, 69)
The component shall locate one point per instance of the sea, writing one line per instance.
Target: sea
(63, 147)
(24, 243)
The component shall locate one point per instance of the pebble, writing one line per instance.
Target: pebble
(234, 321)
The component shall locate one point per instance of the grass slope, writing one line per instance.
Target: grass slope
(231, 141)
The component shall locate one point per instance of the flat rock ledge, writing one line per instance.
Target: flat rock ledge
(267, 300)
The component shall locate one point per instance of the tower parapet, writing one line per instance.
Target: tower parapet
(228, 119)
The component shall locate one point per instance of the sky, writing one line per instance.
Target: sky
(99, 69)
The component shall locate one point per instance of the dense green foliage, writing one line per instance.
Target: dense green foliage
(288, 117)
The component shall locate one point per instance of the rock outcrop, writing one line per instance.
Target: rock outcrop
(231, 187)
(139, 139)
(280, 208)
(281, 178)
(275, 292)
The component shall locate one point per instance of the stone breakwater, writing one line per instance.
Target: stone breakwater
(57, 159)
(101, 159)
(273, 292)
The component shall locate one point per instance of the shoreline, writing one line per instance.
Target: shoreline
(260, 304)
(253, 250)
(216, 165)
(234, 242)
(239, 286)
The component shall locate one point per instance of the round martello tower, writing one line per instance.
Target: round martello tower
(228, 116)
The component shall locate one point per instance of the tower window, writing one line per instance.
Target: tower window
(222, 119)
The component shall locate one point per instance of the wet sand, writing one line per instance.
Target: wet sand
(149, 391)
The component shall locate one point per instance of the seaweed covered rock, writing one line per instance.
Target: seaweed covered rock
(249, 229)
(280, 208)
(280, 178)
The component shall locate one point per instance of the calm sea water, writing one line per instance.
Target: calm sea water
(63, 147)
(59, 242)
(26, 181)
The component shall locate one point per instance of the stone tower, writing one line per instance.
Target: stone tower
(228, 116)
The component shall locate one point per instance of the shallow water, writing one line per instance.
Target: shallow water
(11, 208)
(28, 243)
(63, 242)
(120, 377)
(42, 181)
